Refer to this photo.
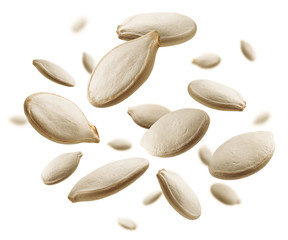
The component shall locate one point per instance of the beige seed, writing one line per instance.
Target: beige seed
(120, 144)
(179, 194)
(147, 114)
(176, 132)
(262, 118)
(205, 154)
(79, 24)
(88, 62)
(108, 179)
(61, 167)
(58, 119)
(18, 120)
(248, 50)
(152, 197)
(127, 223)
(242, 155)
(173, 28)
(216, 95)
(123, 70)
(54, 73)
(207, 60)
(225, 194)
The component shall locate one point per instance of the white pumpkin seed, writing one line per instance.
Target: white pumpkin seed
(216, 95)
(173, 28)
(179, 194)
(262, 118)
(248, 50)
(127, 223)
(18, 120)
(79, 24)
(152, 197)
(123, 70)
(242, 155)
(61, 167)
(108, 179)
(88, 62)
(54, 73)
(176, 132)
(205, 154)
(58, 119)
(120, 144)
(207, 60)
(225, 194)
(147, 114)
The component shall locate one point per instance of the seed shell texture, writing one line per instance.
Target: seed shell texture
(179, 194)
(176, 132)
(120, 144)
(108, 179)
(54, 73)
(248, 50)
(173, 28)
(123, 70)
(242, 155)
(59, 119)
(205, 154)
(61, 167)
(88, 62)
(207, 60)
(152, 197)
(224, 194)
(147, 114)
(215, 95)
(127, 223)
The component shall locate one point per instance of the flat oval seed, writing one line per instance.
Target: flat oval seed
(207, 60)
(61, 167)
(108, 179)
(127, 223)
(216, 95)
(58, 119)
(173, 28)
(242, 155)
(147, 114)
(248, 50)
(205, 154)
(18, 120)
(179, 194)
(225, 194)
(120, 144)
(262, 118)
(152, 197)
(176, 132)
(79, 24)
(54, 73)
(88, 62)
(123, 70)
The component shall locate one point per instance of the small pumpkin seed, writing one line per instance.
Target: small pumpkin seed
(248, 50)
(225, 194)
(207, 60)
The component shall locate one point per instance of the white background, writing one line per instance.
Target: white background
(42, 29)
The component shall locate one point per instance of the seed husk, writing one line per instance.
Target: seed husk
(207, 60)
(205, 154)
(88, 62)
(58, 119)
(127, 223)
(225, 194)
(120, 144)
(247, 50)
(152, 197)
(54, 72)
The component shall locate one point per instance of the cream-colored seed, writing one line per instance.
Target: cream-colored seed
(207, 60)
(54, 72)
(18, 120)
(179, 194)
(123, 70)
(152, 197)
(262, 118)
(61, 167)
(88, 62)
(127, 223)
(225, 194)
(79, 24)
(242, 155)
(216, 95)
(205, 154)
(120, 144)
(58, 119)
(247, 50)
(173, 28)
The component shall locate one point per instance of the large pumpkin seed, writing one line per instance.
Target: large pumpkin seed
(152, 197)
(58, 119)
(147, 114)
(61, 167)
(127, 223)
(242, 155)
(216, 95)
(88, 62)
(176, 132)
(173, 28)
(248, 50)
(54, 72)
(207, 60)
(179, 194)
(108, 179)
(123, 70)
(225, 194)
(120, 144)
(205, 154)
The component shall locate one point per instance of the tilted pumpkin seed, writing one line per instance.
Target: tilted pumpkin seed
(54, 73)
(127, 223)
(79, 24)
(262, 118)
(61, 167)
(205, 154)
(207, 60)
(173, 28)
(248, 50)
(152, 197)
(216, 95)
(176, 132)
(179, 194)
(225, 194)
(108, 179)
(242, 155)
(123, 70)
(120, 144)
(88, 62)
(147, 114)
(58, 119)
(18, 120)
